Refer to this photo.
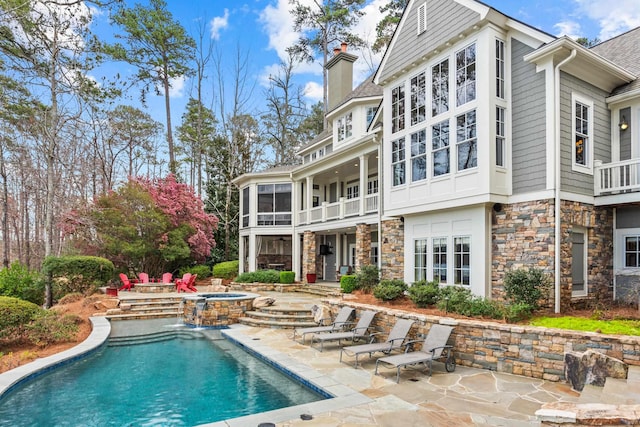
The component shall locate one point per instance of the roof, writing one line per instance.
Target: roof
(366, 89)
(623, 51)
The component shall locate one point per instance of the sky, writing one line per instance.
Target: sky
(262, 29)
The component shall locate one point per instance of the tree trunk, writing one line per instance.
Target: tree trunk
(167, 106)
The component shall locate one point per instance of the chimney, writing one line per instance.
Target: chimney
(340, 69)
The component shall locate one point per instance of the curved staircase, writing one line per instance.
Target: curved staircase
(279, 318)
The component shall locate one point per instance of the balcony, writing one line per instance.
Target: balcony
(617, 178)
(344, 208)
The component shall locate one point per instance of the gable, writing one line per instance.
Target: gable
(445, 19)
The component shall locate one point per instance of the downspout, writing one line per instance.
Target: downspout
(380, 198)
(558, 167)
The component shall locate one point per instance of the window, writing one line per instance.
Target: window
(419, 155)
(461, 260)
(397, 109)
(582, 154)
(372, 186)
(466, 75)
(353, 191)
(500, 69)
(440, 88)
(274, 204)
(422, 18)
(397, 161)
(371, 112)
(466, 141)
(418, 99)
(500, 154)
(345, 127)
(374, 254)
(440, 148)
(440, 259)
(420, 262)
(245, 207)
(632, 251)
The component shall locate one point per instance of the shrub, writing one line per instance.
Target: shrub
(388, 290)
(14, 315)
(524, 286)
(287, 277)
(484, 307)
(348, 283)
(226, 270)
(367, 278)
(49, 327)
(455, 299)
(18, 282)
(84, 274)
(203, 271)
(518, 312)
(424, 293)
(260, 276)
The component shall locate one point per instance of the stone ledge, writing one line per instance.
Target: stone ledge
(588, 414)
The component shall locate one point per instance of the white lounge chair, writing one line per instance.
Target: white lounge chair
(434, 347)
(360, 331)
(394, 341)
(342, 319)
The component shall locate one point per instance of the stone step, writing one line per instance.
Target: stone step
(159, 309)
(320, 291)
(274, 324)
(292, 311)
(281, 317)
(141, 316)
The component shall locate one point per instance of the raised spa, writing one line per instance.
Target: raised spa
(216, 309)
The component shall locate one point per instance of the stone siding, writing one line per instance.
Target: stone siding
(308, 254)
(216, 313)
(363, 245)
(392, 251)
(515, 349)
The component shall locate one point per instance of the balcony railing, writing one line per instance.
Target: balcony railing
(617, 177)
(343, 208)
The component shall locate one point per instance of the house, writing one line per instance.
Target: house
(496, 146)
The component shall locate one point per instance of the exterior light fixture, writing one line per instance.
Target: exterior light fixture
(624, 125)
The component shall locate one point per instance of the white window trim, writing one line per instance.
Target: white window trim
(588, 168)
(453, 260)
(623, 233)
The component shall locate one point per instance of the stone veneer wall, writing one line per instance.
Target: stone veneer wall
(524, 236)
(515, 349)
(221, 312)
(363, 245)
(598, 223)
(392, 250)
(308, 254)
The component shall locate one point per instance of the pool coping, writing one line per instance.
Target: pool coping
(100, 330)
(340, 396)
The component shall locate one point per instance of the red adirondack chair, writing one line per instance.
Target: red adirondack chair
(167, 278)
(144, 277)
(191, 284)
(126, 283)
(181, 284)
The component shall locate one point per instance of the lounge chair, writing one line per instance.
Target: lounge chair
(394, 341)
(342, 319)
(360, 331)
(434, 347)
(126, 283)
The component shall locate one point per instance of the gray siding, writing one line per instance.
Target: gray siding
(628, 217)
(528, 122)
(577, 182)
(445, 20)
(625, 136)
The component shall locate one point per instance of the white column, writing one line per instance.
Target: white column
(309, 203)
(252, 252)
(364, 168)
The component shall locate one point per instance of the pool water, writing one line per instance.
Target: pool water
(183, 381)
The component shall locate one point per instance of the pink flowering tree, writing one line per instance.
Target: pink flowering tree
(148, 225)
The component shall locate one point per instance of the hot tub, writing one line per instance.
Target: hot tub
(216, 309)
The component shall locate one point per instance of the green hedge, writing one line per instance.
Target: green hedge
(260, 276)
(203, 271)
(226, 270)
(287, 277)
(18, 282)
(388, 290)
(84, 274)
(423, 293)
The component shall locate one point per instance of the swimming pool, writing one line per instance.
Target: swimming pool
(187, 378)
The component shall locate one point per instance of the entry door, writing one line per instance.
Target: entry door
(578, 264)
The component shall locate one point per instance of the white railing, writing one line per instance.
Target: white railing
(371, 203)
(618, 177)
(341, 209)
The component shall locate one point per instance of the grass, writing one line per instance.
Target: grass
(609, 327)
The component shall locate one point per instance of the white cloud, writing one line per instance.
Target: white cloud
(218, 24)
(568, 28)
(613, 18)
(176, 87)
(278, 24)
(313, 91)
